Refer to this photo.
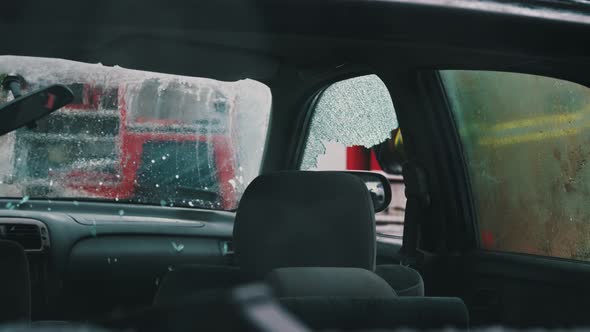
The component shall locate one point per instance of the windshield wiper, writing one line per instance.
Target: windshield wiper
(25, 110)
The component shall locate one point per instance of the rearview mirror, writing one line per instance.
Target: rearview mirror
(378, 186)
(27, 109)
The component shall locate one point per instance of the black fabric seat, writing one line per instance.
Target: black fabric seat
(15, 300)
(389, 313)
(405, 280)
(358, 299)
(298, 219)
(303, 219)
(327, 282)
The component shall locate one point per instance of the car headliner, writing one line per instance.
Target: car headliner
(230, 39)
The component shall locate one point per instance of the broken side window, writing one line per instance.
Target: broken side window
(350, 117)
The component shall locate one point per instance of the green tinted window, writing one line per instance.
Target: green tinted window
(526, 141)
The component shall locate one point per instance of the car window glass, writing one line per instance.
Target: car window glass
(135, 137)
(350, 117)
(525, 140)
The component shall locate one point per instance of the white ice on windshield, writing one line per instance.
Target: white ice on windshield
(356, 111)
(136, 135)
(49, 70)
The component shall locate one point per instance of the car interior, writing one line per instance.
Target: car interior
(167, 165)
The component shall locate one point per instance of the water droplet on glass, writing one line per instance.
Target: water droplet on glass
(24, 200)
(100, 183)
(163, 203)
(121, 212)
(163, 157)
(48, 209)
(157, 185)
(117, 199)
(50, 183)
(118, 176)
(190, 203)
(177, 176)
(109, 260)
(8, 205)
(170, 268)
(75, 203)
(153, 161)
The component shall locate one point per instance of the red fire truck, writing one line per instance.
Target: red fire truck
(134, 142)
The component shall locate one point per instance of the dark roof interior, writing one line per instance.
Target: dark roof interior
(231, 39)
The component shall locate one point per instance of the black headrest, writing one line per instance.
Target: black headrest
(327, 281)
(303, 219)
(15, 301)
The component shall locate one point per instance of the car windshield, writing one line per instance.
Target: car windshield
(135, 137)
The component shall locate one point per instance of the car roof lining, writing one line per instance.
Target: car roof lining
(231, 40)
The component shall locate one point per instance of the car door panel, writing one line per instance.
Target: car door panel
(524, 290)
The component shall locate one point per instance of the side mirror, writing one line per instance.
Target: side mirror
(27, 109)
(379, 188)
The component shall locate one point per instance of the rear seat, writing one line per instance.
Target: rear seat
(300, 282)
(357, 299)
(299, 219)
(386, 313)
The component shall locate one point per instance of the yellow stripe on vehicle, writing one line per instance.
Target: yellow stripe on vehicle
(538, 136)
(541, 120)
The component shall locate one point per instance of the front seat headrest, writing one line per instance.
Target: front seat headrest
(15, 301)
(304, 219)
(328, 282)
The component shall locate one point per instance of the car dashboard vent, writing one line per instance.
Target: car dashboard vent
(32, 235)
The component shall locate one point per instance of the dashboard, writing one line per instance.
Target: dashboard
(89, 260)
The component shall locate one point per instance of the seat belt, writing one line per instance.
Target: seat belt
(417, 203)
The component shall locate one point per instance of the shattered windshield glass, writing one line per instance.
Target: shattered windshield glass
(135, 137)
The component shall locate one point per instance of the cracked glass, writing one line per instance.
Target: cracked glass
(350, 117)
(354, 112)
